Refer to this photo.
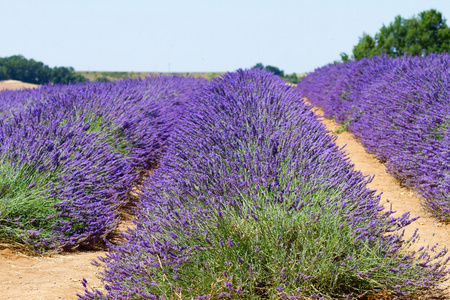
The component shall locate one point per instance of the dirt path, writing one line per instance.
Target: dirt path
(55, 277)
(51, 277)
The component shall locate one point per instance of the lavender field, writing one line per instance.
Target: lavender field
(252, 199)
(249, 198)
(400, 109)
(70, 154)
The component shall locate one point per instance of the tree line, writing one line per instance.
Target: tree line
(419, 35)
(291, 78)
(17, 67)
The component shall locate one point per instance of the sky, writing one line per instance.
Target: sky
(194, 35)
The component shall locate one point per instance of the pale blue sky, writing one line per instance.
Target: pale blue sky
(196, 35)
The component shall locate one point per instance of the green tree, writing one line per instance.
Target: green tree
(365, 47)
(3, 75)
(65, 75)
(344, 57)
(275, 70)
(292, 78)
(258, 66)
(18, 67)
(426, 33)
(272, 69)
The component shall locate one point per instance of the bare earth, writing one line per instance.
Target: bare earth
(56, 276)
(59, 276)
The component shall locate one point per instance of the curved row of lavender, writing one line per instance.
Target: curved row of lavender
(254, 200)
(400, 108)
(69, 155)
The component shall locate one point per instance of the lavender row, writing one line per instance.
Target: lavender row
(69, 155)
(400, 109)
(254, 200)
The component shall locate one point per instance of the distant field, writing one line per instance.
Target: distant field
(92, 76)
(113, 76)
(15, 85)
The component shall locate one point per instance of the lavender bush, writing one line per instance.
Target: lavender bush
(399, 108)
(253, 199)
(70, 154)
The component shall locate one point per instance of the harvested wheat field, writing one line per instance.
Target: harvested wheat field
(16, 85)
